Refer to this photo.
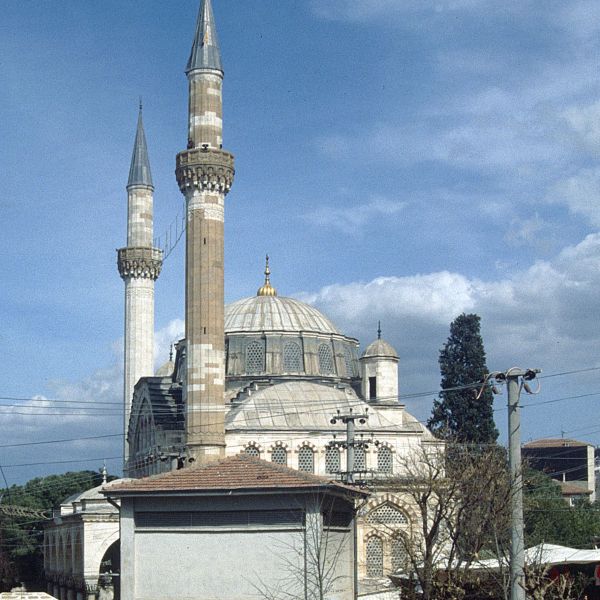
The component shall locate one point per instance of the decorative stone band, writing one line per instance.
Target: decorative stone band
(205, 169)
(139, 263)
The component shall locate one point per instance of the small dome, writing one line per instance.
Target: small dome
(379, 348)
(275, 313)
(166, 370)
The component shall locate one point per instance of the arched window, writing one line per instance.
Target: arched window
(255, 357)
(384, 459)
(77, 554)
(325, 359)
(349, 362)
(69, 554)
(252, 450)
(386, 514)
(399, 556)
(332, 459)
(279, 455)
(360, 459)
(375, 557)
(306, 459)
(292, 358)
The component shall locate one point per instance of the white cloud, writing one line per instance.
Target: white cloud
(527, 231)
(171, 333)
(580, 193)
(352, 219)
(543, 316)
(82, 408)
(584, 121)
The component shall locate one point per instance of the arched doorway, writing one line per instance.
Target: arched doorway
(109, 581)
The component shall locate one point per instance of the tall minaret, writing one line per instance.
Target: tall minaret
(205, 175)
(139, 266)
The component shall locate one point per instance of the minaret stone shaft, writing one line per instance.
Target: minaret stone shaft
(139, 265)
(205, 174)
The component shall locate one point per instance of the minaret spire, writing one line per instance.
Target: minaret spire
(139, 171)
(205, 52)
(139, 265)
(205, 175)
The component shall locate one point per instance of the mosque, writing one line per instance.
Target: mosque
(266, 375)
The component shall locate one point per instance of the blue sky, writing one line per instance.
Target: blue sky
(402, 160)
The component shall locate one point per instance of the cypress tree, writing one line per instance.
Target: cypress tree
(458, 414)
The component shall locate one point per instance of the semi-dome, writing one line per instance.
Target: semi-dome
(275, 313)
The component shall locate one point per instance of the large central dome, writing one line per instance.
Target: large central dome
(274, 313)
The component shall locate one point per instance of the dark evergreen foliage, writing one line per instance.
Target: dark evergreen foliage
(459, 414)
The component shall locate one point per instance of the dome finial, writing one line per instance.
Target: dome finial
(267, 289)
(378, 330)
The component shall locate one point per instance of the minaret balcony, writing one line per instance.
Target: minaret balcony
(139, 262)
(205, 168)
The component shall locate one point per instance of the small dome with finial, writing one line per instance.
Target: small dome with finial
(267, 289)
(166, 370)
(380, 348)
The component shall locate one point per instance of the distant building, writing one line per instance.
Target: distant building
(569, 462)
(235, 529)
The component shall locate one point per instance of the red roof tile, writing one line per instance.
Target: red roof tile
(238, 472)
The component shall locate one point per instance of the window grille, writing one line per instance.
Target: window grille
(306, 459)
(384, 460)
(279, 455)
(252, 451)
(399, 556)
(360, 460)
(386, 514)
(332, 459)
(325, 359)
(349, 361)
(337, 519)
(375, 557)
(237, 518)
(255, 357)
(292, 358)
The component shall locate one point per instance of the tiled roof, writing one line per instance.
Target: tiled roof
(238, 472)
(555, 443)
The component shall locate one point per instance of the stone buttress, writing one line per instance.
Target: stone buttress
(205, 174)
(139, 265)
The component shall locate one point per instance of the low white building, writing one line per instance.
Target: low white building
(236, 529)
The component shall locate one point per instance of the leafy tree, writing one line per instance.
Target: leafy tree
(21, 537)
(549, 519)
(460, 506)
(459, 414)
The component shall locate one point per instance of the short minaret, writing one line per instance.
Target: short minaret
(139, 266)
(205, 174)
(379, 367)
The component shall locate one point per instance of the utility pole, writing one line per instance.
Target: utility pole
(350, 443)
(516, 379)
